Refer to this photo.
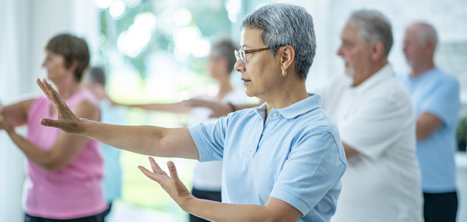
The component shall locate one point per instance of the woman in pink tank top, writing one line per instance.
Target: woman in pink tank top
(64, 171)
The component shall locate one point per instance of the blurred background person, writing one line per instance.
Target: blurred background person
(64, 171)
(435, 96)
(95, 81)
(207, 176)
(376, 121)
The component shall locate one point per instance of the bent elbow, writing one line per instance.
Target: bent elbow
(422, 134)
(52, 166)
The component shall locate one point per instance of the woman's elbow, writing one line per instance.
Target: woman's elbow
(52, 165)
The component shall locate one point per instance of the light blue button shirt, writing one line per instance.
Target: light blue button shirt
(296, 156)
(436, 93)
(112, 181)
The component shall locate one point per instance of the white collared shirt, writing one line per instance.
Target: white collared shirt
(376, 119)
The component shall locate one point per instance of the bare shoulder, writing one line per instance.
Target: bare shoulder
(87, 109)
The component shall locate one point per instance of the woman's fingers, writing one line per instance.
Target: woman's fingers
(44, 90)
(155, 167)
(173, 170)
(158, 175)
(52, 123)
(150, 174)
(54, 97)
(4, 123)
(2, 118)
(48, 91)
(60, 105)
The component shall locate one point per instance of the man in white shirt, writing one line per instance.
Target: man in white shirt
(376, 120)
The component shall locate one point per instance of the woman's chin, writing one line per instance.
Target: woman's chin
(249, 93)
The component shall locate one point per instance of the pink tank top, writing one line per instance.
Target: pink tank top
(75, 190)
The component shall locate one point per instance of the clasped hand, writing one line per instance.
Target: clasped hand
(4, 123)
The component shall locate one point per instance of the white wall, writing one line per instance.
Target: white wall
(26, 26)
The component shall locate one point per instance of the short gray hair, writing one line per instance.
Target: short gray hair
(374, 26)
(286, 25)
(427, 32)
(224, 48)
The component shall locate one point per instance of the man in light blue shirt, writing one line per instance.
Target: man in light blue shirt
(435, 96)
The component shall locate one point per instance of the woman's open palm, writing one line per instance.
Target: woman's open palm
(171, 184)
(67, 120)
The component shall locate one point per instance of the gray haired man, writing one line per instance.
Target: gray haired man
(435, 96)
(375, 117)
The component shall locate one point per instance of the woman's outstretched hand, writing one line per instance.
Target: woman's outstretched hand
(217, 109)
(171, 184)
(67, 120)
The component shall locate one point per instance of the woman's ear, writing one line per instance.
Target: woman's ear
(73, 66)
(287, 54)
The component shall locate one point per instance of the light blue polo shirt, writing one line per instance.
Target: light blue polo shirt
(437, 93)
(296, 156)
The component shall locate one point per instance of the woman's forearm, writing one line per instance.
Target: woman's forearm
(147, 140)
(220, 212)
(138, 139)
(165, 107)
(274, 209)
(40, 157)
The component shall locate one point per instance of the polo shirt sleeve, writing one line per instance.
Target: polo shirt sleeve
(444, 101)
(209, 139)
(313, 167)
(377, 125)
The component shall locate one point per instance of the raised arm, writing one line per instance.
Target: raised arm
(220, 109)
(147, 140)
(179, 107)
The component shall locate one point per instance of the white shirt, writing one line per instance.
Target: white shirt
(208, 175)
(376, 119)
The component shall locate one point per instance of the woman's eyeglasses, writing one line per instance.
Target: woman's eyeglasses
(241, 53)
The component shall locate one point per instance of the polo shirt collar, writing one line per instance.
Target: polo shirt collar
(382, 75)
(296, 109)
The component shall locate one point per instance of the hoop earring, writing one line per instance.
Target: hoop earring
(284, 72)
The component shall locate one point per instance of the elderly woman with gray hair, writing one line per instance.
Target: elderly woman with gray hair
(282, 161)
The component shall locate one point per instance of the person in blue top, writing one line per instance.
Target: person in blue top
(95, 80)
(435, 96)
(283, 161)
